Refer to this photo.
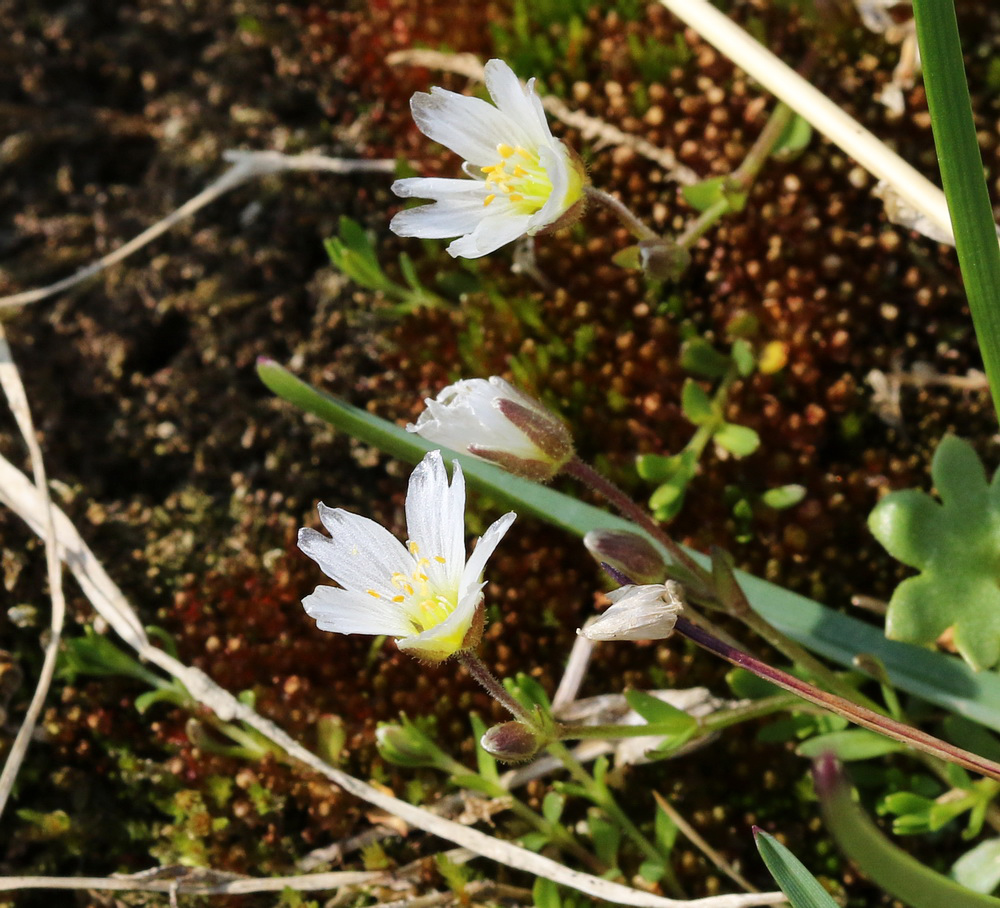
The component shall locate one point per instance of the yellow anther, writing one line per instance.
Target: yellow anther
(440, 559)
(505, 150)
(515, 197)
(414, 548)
(398, 598)
(519, 171)
(489, 169)
(519, 150)
(372, 593)
(489, 199)
(505, 189)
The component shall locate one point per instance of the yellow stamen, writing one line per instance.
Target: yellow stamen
(519, 171)
(398, 598)
(414, 548)
(489, 169)
(505, 150)
(514, 197)
(519, 150)
(372, 593)
(489, 199)
(440, 559)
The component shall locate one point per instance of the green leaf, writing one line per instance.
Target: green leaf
(748, 686)
(796, 136)
(700, 358)
(695, 403)
(702, 196)
(801, 887)
(545, 894)
(961, 164)
(979, 869)
(853, 744)
(933, 676)
(668, 719)
(737, 440)
(955, 544)
(628, 258)
(783, 496)
(742, 355)
(897, 872)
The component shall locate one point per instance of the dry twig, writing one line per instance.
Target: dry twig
(246, 165)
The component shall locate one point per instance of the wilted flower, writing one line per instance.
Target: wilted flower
(492, 420)
(523, 179)
(647, 612)
(425, 594)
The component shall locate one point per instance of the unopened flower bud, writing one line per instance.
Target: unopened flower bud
(646, 612)
(630, 554)
(495, 422)
(406, 745)
(512, 742)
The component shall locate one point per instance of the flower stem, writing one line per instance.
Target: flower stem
(628, 508)
(486, 679)
(620, 210)
(854, 712)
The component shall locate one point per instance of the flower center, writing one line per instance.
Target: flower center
(520, 177)
(425, 606)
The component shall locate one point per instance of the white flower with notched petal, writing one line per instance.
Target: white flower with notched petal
(425, 594)
(492, 420)
(524, 179)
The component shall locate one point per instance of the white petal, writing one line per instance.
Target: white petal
(439, 219)
(468, 126)
(484, 548)
(360, 553)
(490, 234)
(435, 520)
(348, 612)
(440, 188)
(509, 95)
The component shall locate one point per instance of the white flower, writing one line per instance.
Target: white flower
(647, 612)
(425, 594)
(492, 420)
(523, 179)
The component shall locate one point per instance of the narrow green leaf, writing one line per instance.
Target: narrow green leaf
(668, 719)
(853, 744)
(801, 887)
(962, 174)
(897, 872)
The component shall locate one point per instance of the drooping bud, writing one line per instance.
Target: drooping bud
(628, 553)
(407, 745)
(646, 612)
(512, 742)
(492, 420)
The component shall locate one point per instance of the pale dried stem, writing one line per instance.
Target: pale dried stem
(13, 388)
(912, 187)
(246, 165)
(591, 128)
(20, 495)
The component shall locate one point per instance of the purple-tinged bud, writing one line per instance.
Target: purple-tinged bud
(512, 742)
(628, 553)
(495, 422)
